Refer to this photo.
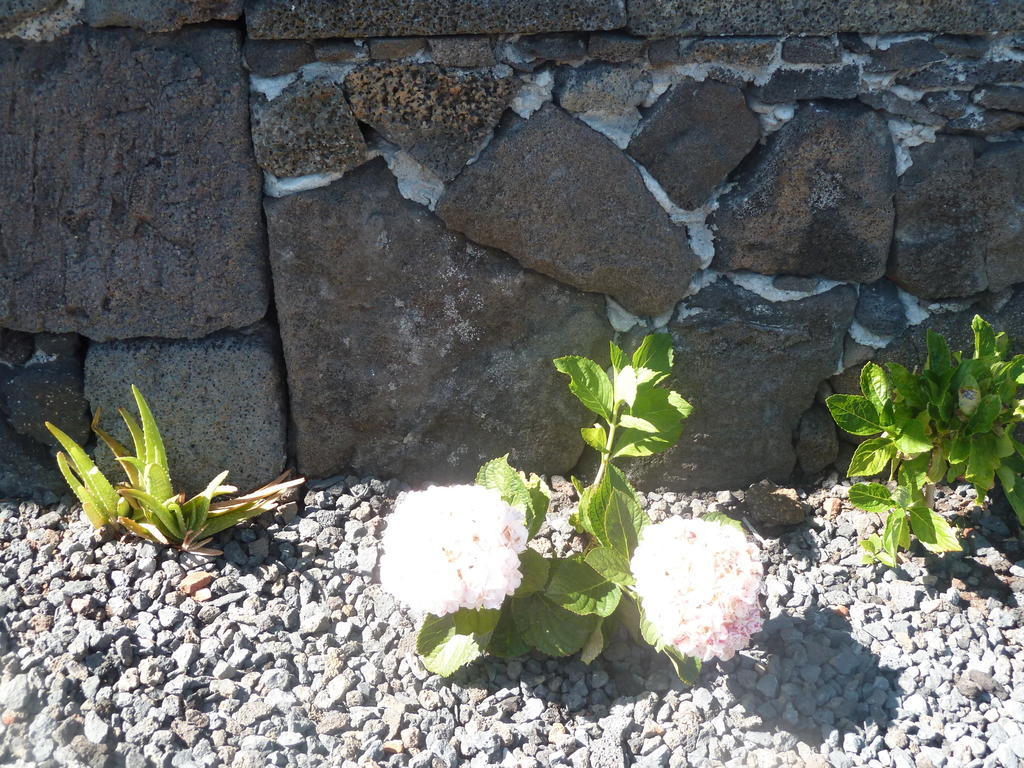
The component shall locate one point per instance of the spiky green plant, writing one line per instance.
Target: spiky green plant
(146, 504)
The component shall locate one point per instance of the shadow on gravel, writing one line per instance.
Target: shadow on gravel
(815, 679)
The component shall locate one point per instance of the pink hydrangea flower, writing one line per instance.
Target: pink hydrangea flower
(698, 582)
(452, 547)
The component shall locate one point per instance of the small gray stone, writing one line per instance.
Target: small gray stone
(602, 87)
(94, 728)
(810, 50)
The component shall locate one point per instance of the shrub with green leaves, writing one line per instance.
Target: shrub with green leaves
(565, 605)
(953, 421)
(146, 504)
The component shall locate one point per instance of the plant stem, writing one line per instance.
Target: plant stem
(606, 457)
(929, 495)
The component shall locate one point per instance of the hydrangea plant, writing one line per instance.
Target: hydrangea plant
(954, 420)
(461, 556)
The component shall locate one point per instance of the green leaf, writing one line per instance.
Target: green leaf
(984, 337)
(872, 497)
(449, 642)
(596, 437)
(625, 385)
(855, 414)
(579, 588)
(874, 552)
(101, 492)
(985, 416)
(613, 512)
(594, 645)
(934, 532)
(156, 512)
(499, 475)
(155, 453)
(660, 414)
(505, 640)
(550, 628)
(896, 533)
(653, 358)
(723, 519)
(874, 383)
(982, 462)
(589, 383)
(535, 569)
(939, 359)
(687, 668)
(913, 477)
(906, 384)
(90, 505)
(871, 457)
(610, 564)
(913, 438)
(1016, 499)
(618, 357)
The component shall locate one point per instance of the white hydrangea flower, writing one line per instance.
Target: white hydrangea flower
(699, 583)
(452, 547)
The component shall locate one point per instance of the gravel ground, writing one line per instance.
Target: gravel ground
(295, 657)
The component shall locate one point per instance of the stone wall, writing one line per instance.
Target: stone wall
(352, 235)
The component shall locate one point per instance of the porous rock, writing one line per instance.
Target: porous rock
(127, 225)
(694, 137)
(439, 116)
(803, 84)
(897, 106)
(958, 219)
(159, 15)
(561, 47)
(744, 53)
(752, 17)
(615, 47)
(413, 352)
(572, 207)
(307, 128)
(751, 368)
(909, 54)
(988, 122)
(880, 310)
(945, 74)
(818, 201)
(602, 87)
(382, 18)
(388, 48)
(817, 443)
(270, 58)
(219, 403)
(768, 504)
(1008, 97)
(811, 50)
(462, 51)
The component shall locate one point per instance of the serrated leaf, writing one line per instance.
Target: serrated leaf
(939, 359)
(872, 497)
(610, 564)
(449, 642)
(594, 645)
(906, 384)
(550, 628)
(913, 438)
(506, 641)
(655, 353)
(618, 357)
(614, 513)
(589, 382)
(596, 437)
(500, 476)
(661, 413)
(896, 533)
(855, 414)
(625, 385)
(933, 531)
(535, 569)
(723, 519)
(577, 587)
(985, 416)
(874, 384)
(984, 337)
(155, 452)
(871, 457)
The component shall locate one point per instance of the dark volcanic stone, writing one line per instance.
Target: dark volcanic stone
(801, 84)
(615, 47)
(948, 104)
(988, 122)
(811, 50)
(16, 348)
(745, 53)
(964, 46)
(854, 43)
(382, 18)
(734, 347)
(880, 310)
(1009, 97)
(602, 87)
(694, 137)
(820, 17)
(564, 201)
(947, 74)
(338, 50)
(159, 15)
(308, 128)
(818, 201)
(27, 468)
(127, 224)
(12, 12)
(817, 443)
(439, 116)
(910, 54)
(958, 219)
(768, 504)
(664, 51)
(219, 403)
(270, 58)
(887, 101)
(462, 51)
(387, 48)
(412, 352)
(553, 47)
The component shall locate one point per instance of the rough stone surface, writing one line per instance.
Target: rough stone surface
(354, 18)
(14, 11)
(768, 504)
(562, 47)
(439, 116)
(910, 54)
(963, 74)
(966, 46)
(803, 84)
(1007, 97)
(880, 310)
(462, 51)
(817, 443)
(987, 122)
(412, 351)
(694, 137)
(745, 53)
(270, 58)
(751, 17)
(615, 47)
(750, 368)
(338, 50)
(388, 48)
(308, 128)
(958, 219)
(563, 200)
(219, 403)
(897, 106)
(127, 225)
(818, 201)
(948, 104)
(602, 87)
(810, 50)
(159, 15)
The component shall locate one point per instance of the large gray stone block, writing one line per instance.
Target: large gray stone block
(127, 175)
(958, 214)
(817, 201)
(564, 201)
(821, 17)
(412, 352)
(158, 15)
(383, 18)
(219, 403)
(751, 368)
(12, 12)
